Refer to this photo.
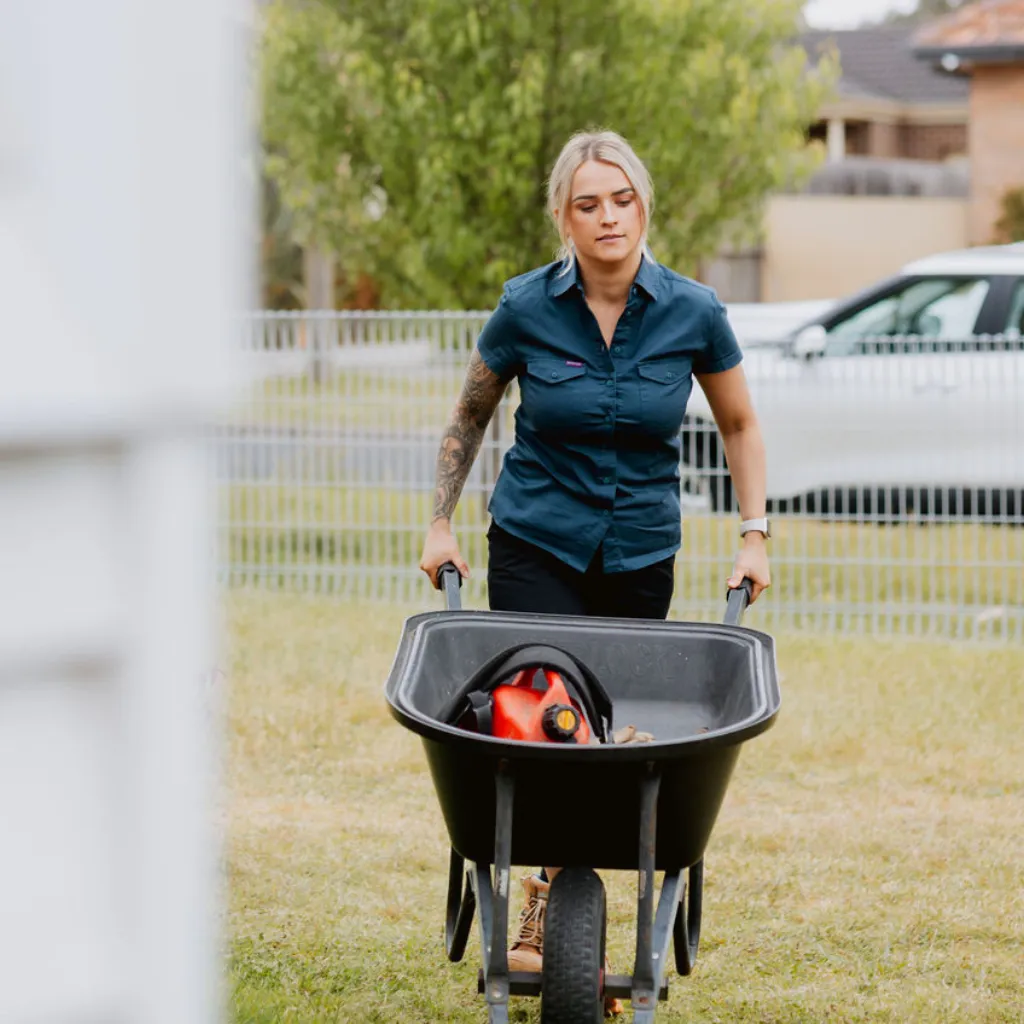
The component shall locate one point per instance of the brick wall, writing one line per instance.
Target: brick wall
(906, 141)
(932, 141)
(883, 140)
(996, 142)
(899, 141)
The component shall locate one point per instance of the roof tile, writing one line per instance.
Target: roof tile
(988, 23)
(879, 62)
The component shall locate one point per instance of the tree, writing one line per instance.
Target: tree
(318, 108)
(1010, 226)
(280, 257)
(428, 127)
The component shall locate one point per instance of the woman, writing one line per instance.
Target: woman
(605, 343)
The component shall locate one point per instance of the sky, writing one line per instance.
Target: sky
(851, 13)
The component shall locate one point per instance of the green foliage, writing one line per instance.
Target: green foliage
(318, 108)
(281, 285)
(1010, 226)
(414, 138)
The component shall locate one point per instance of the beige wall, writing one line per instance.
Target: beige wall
(996, 143)
(823, 247)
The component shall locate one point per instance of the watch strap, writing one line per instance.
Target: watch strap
(750, 525)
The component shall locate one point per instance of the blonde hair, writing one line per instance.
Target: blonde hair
(608, 148)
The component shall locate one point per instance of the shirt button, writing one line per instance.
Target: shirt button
(609, 382)
(606, 479)
(670, 374)
(617, 349)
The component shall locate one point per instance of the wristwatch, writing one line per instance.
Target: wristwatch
(758, 525)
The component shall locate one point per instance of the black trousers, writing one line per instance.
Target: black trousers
(524, 578)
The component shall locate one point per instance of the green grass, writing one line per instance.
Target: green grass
(866, 865)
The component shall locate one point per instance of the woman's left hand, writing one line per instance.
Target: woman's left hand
(752, 561)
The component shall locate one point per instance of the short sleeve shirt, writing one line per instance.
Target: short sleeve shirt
(595, 460)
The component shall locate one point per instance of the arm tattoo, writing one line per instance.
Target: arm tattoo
(480, 396)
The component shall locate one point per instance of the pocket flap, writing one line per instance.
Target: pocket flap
(664, 372)
(554, 371)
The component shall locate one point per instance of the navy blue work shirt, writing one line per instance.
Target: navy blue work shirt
(596, 453)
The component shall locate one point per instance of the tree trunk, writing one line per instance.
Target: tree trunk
(318, 272)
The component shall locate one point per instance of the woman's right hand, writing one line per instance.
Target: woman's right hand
(440, 547)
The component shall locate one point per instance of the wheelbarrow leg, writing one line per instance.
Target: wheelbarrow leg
(653, 930)
(492, 904)
(458, 922)
(686, 934)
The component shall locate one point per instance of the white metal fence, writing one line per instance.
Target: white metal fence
(896, 474)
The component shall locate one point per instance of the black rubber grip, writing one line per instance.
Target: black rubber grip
(737, 600)
(449, 580)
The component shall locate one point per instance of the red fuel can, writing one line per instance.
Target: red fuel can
(522, 711)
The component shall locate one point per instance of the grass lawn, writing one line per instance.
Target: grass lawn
(867, 864)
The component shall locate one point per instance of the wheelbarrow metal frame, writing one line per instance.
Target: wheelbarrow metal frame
(474, 891)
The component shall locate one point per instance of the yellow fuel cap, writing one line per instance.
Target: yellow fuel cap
(560, 722)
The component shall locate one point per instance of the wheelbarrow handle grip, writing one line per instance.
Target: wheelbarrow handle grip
(737, 600)
(449, 580)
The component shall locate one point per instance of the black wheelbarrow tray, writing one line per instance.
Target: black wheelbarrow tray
(701, 689)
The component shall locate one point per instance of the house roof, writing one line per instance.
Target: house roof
(880, 63)
(990, 25)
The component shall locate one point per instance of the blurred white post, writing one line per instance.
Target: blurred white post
(836, 140)
(123, 190)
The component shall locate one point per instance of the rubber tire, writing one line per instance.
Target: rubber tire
(574, 947)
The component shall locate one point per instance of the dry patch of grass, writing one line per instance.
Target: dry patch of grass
(867, 865)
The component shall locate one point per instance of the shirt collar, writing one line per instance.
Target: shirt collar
(646, 279)
(564, 279)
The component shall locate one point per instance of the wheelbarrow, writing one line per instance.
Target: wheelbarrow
(701, 689)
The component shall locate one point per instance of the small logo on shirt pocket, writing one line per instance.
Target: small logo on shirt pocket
(572, 362)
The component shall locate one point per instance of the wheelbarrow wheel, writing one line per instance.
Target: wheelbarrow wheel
(574, 946)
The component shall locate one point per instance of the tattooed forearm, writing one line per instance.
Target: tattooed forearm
(480, 396)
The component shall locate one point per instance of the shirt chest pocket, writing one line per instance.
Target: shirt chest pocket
(557, 396)
(665, 387)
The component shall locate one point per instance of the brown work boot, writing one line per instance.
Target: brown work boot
(527, 951)
(612, 1007)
